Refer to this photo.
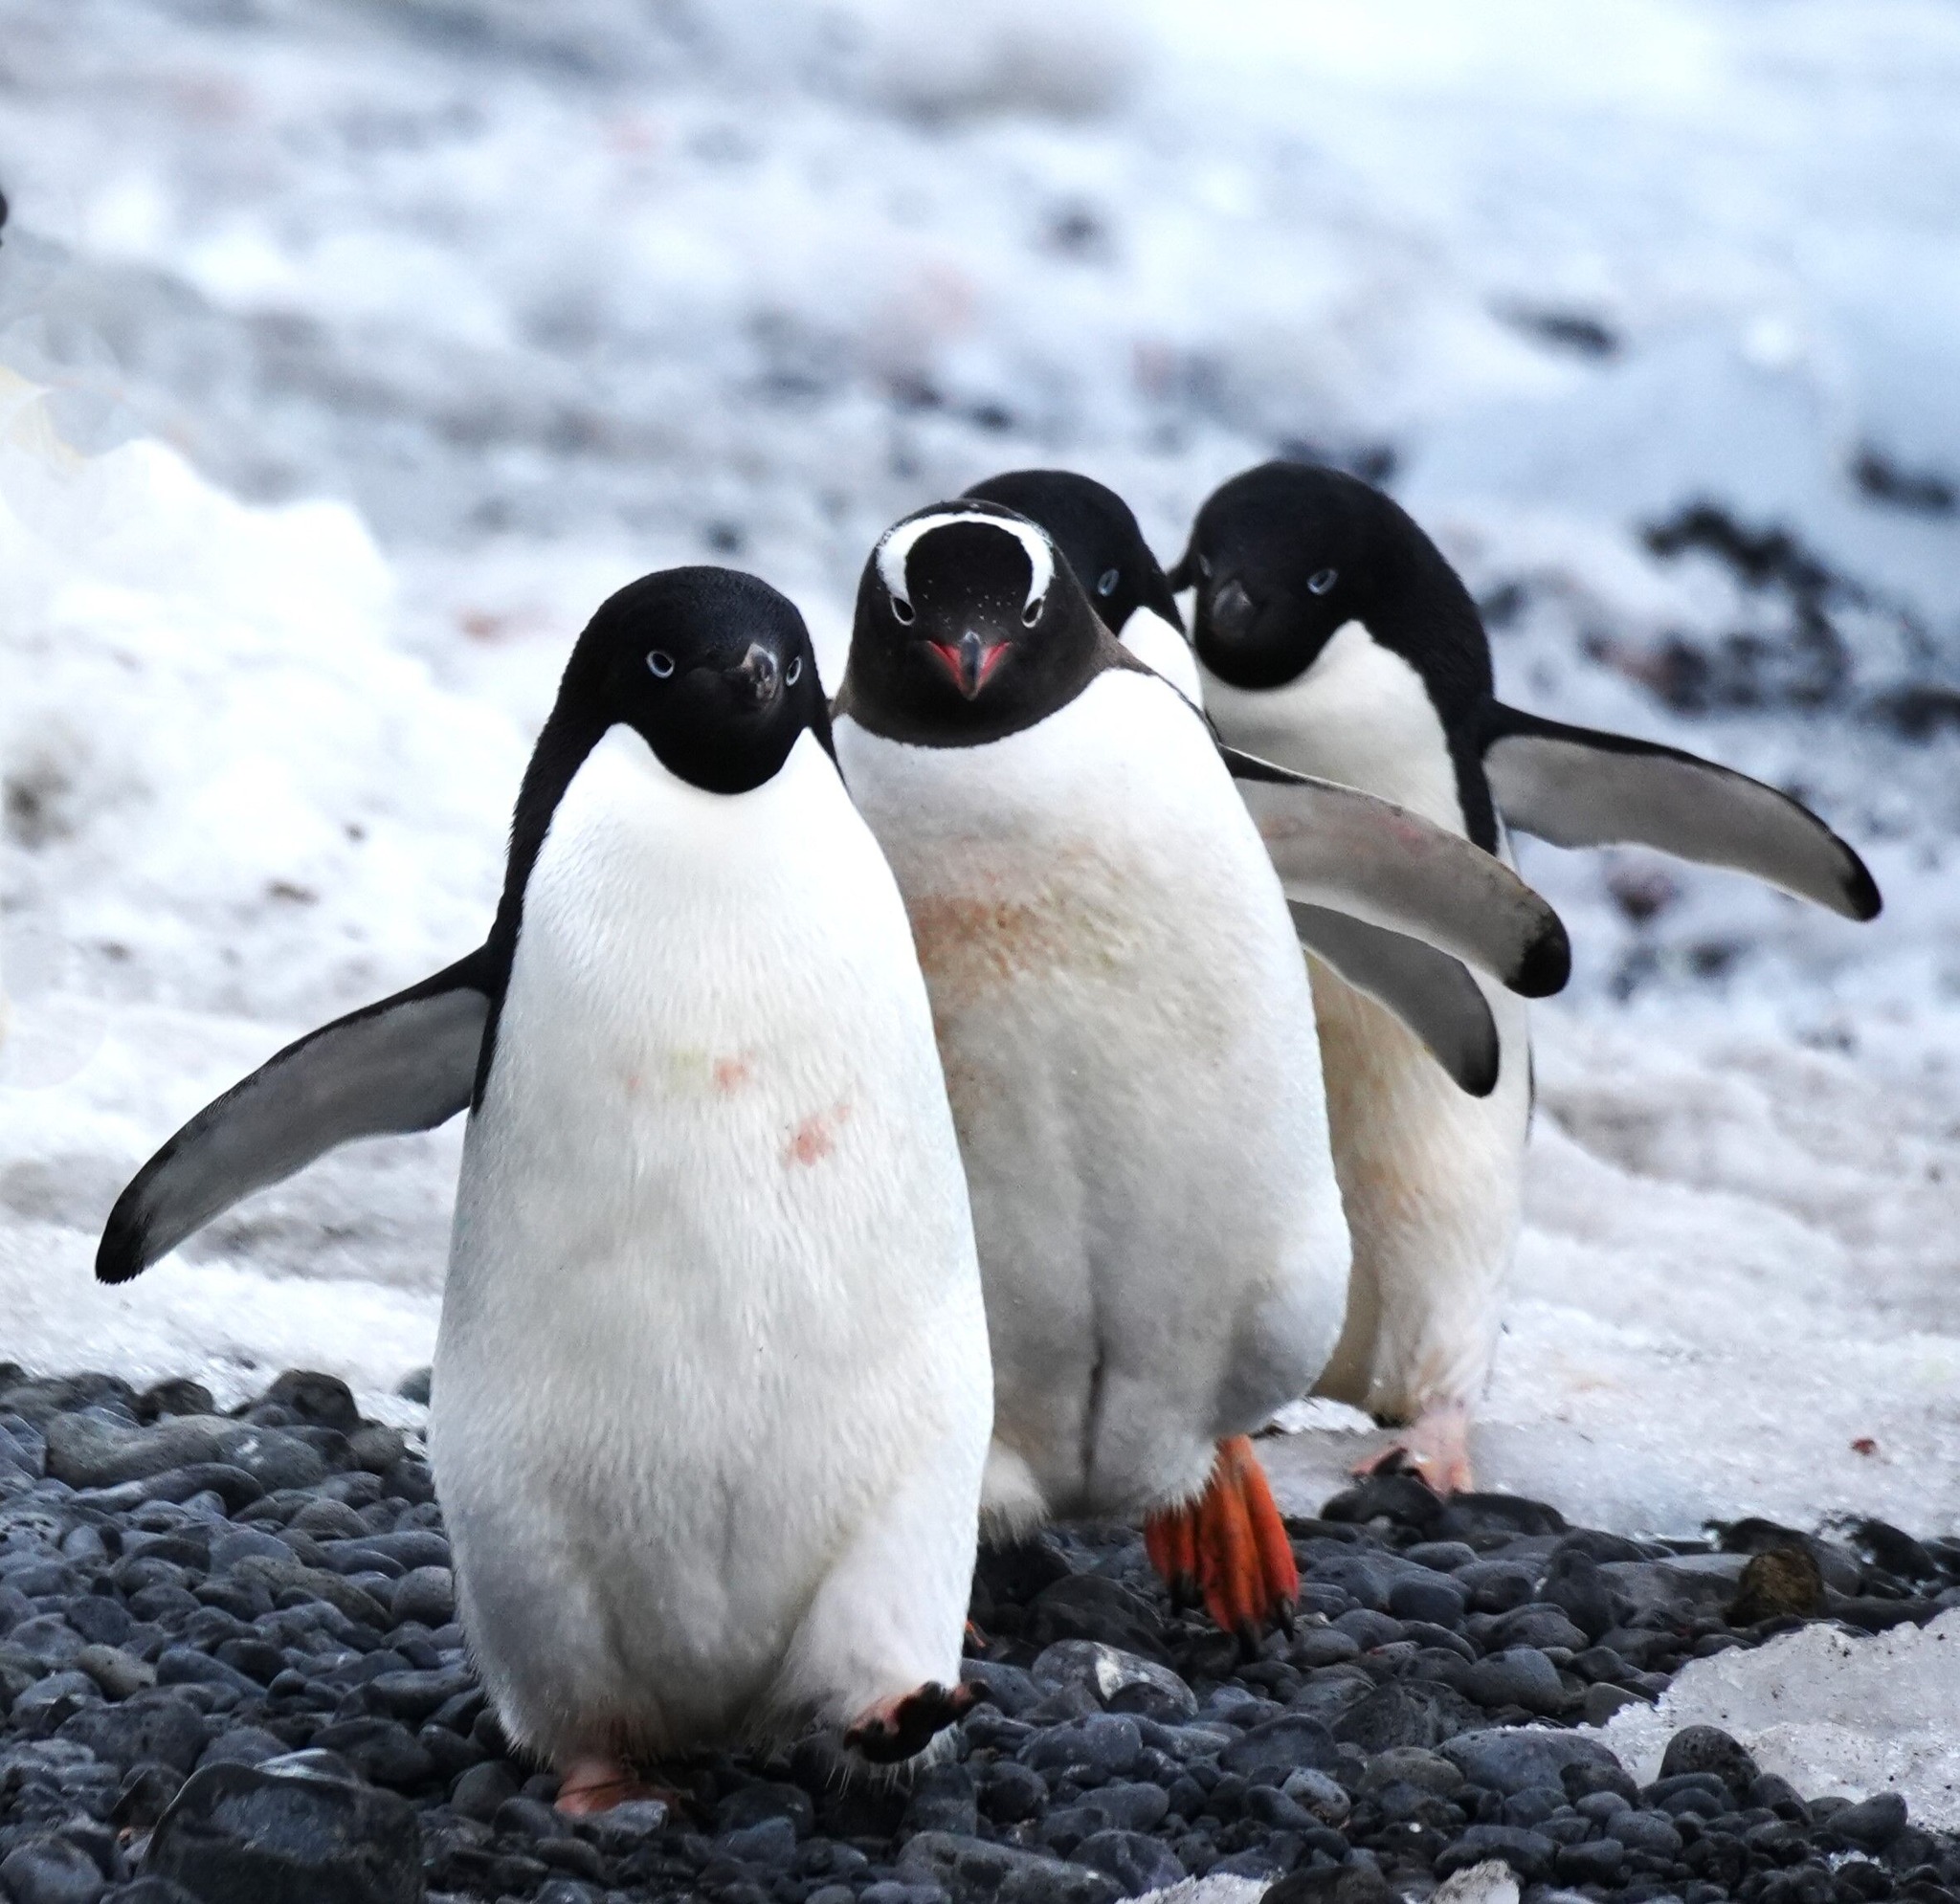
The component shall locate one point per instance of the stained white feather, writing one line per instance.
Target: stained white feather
(711, 1392)
(1129, 1047)
(1431, 1175)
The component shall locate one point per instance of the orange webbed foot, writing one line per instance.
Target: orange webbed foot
(1229, 1548)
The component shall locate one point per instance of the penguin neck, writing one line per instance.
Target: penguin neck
(1363, 714)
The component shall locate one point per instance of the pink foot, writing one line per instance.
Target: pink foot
(902, 1727)
(1434, 1446)
(591, 1786)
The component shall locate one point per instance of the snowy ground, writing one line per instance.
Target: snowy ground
(482, 309)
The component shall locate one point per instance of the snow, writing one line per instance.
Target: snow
(1833, 1712)
(379, 345)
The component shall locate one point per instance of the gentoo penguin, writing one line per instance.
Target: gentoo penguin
(712, 1394)
(1093, 529)
(1127, 1034)
(1333, 637)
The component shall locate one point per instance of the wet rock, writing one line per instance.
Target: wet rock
(1870, 1825)
(1505, 1760)
(970, 1868)
(1495, 1586)
(308, 1396)
(1085, 1607)
(1707, 1748)
(243, 1834)
(158, 1726)
(1517, 1677)
(1476, 1518)
(1121, 1681)
(1405, 1713)
(1267, 1752)
(427, 1594)
(1437, 1599)
(1529, 1854)
(51, 1870)
(1137, 1863)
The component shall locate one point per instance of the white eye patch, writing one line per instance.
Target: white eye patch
(895, 551)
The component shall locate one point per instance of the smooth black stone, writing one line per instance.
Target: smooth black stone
(1085, 1607)
(145, 1795)
(97, 1617)
(970, 1869)
(483, 1788)
(1579, 1591)
(425, 1593)
(1598, 1861)
(1009, 1793)
(383, 1751)
(1333, 1884)
(1529, 1854)
(1495, 1586)
(1137, 1863)
(1405, 1713)
(160, 1726)
(1872, 1825)
(239, 1834)
(324, 1400)
(1517, 1677)
(1119, 1680)
(1268, 1752)
(1368, 1629)
(1442, 1556)
(1439, 1601)
(1538, 1625)
(1476, 1517)
(1010, 1689)
(51, 1870)
(1707, 1748)
(1507, 1762)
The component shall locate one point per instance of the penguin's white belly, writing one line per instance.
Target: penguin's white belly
(1129, 1047)
(1155, 643)
(713, 1307)
(1431, 1177)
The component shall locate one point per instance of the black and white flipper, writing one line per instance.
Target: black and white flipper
(1337, 848)
(406, 1064)
(1576, 786)
(1428, 990)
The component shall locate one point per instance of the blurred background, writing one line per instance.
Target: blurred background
(351, 350)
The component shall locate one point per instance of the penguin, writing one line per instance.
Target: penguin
(1332, 636)
(1433, 995)
(712, 1395)
(1127, 1034)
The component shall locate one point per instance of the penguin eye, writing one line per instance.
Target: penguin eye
(1320, 582)
(901, 611)
(1032, 613)
(1205, 566)
(793, 673)
(662, 663)
(1106, 583)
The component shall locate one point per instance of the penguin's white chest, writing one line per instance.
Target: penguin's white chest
(1129, 1047)
(712, 1282)
(1359, 714)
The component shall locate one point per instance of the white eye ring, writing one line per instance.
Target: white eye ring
(662, 663)
(1205, 566)
(793, 673)
(903, 611)
(1032, 613)
(1320, 582)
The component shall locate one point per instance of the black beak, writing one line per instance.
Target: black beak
(758, 675)
(1231, 609)
(970, 660)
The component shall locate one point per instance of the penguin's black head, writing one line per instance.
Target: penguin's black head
(968, 628)
(1281, 557)
(710, 667)
(1097, 537)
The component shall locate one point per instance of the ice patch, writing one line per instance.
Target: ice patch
(1831, 1712)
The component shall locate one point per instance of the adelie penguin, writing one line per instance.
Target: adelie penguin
(1332, 636)
(1433, 995)
(712, 1395)
(1127, 1034)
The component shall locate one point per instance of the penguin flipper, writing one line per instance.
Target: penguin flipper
(1432, 994)
(1337, 848)
(1576, 787)
(406, 1064)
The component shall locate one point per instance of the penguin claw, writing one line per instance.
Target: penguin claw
(902, 1728)
(1229, 1549)
(1435, 1448)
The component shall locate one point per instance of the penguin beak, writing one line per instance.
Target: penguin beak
(1231, 609)
(758, 675)
(970, 660)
